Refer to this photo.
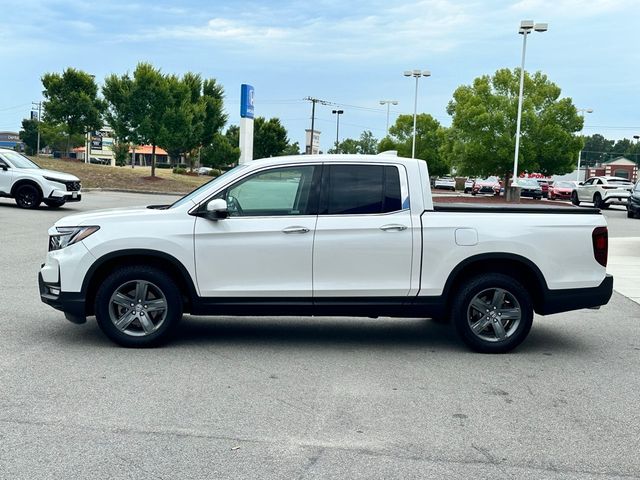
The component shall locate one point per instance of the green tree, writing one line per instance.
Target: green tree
(149, 100)
(233, 135)
(118, 114)
(193, 116)
(71, 99)
(484, 123)
(596, 148)
(292, 149)
(269, 138)
(29, 135)
(55, 137)
(220, 152)
(366, 144)
(430, 136)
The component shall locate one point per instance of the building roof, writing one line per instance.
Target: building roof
(619, 161)
(146, 150)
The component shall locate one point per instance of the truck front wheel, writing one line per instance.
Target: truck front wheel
(138, 306)
(492, 313)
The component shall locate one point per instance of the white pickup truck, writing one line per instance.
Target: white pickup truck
(339, 235)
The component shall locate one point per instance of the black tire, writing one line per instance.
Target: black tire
(597, 200)
(630, 213)
(28, 196)
(160, 322)
(54, 203)
(574, 198)
(516, 302)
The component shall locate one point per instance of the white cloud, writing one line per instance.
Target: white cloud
(399, 30)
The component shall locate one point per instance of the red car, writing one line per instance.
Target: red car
(544, 184)
(561, 190)
(487, 185)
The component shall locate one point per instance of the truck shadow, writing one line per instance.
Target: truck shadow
(323, 334)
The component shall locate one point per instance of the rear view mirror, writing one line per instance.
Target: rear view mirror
(217, 209)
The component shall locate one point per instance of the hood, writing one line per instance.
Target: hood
(66, 177)
(100, 216)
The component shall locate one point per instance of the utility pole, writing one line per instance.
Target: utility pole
(313, 116)
(39, 106)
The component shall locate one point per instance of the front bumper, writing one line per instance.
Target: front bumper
(71, 303)
(66, 196)
(556, 301)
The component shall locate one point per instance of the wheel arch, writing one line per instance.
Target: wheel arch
(154, 258)
(516, 266)
(26, 181)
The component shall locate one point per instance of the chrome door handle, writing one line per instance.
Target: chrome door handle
(295, 230)
(393, 228)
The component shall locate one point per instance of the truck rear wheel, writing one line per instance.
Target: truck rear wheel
(492, 313)
(138, 306)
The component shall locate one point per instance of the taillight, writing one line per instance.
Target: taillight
(600, 238)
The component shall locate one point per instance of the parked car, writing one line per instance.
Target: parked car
(204, 170)
(603, 191)
(30, 185)
(488, 185)
(544, 185)
(315, 235)
(561, 190)
(529, 187)
(447, 183)
(468, 185)
(633, 205)
(100, 160)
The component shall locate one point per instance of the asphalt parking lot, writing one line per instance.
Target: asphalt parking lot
(307, 397)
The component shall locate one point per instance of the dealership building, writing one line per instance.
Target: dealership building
(11, 140)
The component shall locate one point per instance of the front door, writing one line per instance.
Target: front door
(264, 248)
(363, 245)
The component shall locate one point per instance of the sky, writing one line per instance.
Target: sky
(350, 53)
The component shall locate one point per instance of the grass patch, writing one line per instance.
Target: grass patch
(126, 178)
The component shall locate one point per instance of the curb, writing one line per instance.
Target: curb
(123, 190)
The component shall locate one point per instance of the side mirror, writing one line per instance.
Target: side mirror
(4, 167)
(580, 183)
(217, 209)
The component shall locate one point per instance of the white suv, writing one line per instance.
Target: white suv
(27, 183)
(603, 191)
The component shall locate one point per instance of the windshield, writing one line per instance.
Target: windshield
(209, 184)
(491, 180)
(528, 182)
(563, 185)
(17, 160)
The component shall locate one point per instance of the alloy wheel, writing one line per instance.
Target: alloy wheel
(138, 308)
(494, 315)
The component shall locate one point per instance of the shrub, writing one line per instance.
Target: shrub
(180, 170)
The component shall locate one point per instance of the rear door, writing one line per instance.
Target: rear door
(363, 239)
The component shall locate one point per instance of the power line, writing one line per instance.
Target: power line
(313, 116)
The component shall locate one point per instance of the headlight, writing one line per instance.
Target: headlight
(57, 180)
(69, 235)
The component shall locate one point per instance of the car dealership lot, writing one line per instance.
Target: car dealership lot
(308, 398)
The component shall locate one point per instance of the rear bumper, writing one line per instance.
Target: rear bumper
(556, 301)
(71, 303)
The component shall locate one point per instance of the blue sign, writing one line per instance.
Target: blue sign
(246, 101)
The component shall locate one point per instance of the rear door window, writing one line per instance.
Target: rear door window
(360, 189)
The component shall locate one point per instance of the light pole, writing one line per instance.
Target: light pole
(582, 112)
(337, 113)
(388, 103)
(526, 26)
(416, 74)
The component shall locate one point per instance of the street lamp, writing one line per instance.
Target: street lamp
(388, 103)
(526, 26)
(337, 113)
(582, 111)
(416, 74)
